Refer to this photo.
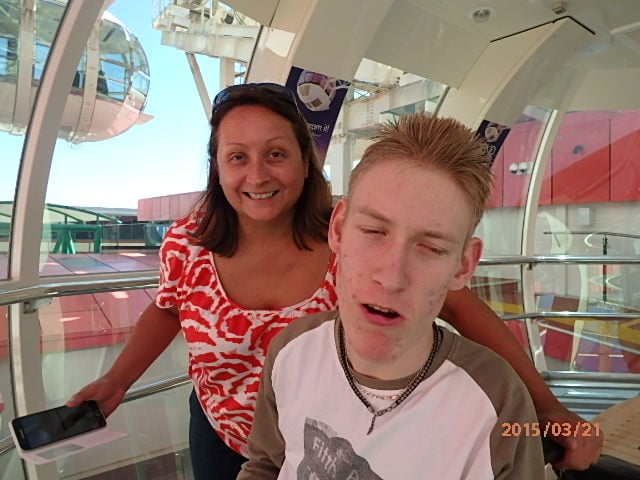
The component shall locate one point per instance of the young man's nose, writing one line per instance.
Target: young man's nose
(391, 269)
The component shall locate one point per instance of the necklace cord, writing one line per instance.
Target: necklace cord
(413, 384)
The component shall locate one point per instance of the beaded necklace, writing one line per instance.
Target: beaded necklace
(377, 396)
(413, 384)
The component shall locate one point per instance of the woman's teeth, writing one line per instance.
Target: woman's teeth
(260, 196)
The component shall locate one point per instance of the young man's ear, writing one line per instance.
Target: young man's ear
(337, 224)
(468, 263)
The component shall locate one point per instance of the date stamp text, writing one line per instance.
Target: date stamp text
(550, 429)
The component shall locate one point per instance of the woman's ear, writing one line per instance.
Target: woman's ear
(468, 263)
(336, 224)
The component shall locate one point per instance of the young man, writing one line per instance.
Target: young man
(377, 390)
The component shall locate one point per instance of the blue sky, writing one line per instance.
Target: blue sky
(166, 155)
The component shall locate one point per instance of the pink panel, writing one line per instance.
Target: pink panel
(71, 304)
(87, 321)
(52, 267)
(151, 292)
(127, 262)
(168, 207)
(518, 329)
(145, 210)
(157, 208)
(519, 147)
(625, 167)
(4, 331)
(79, 263)
(580, 159)
(165, 208)
(122, 309)
(187, 202)
(495, 201)
(174, 206)
(73, 322)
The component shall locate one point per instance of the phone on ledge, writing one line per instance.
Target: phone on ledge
(43, 428)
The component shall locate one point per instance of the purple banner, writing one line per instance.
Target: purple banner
(319, 99)
(494, 134)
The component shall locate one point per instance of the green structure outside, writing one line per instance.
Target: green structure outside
(62, 223)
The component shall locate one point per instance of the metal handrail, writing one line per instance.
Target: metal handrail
(566, 314)
(97, 284)
(559, 259)
(77, 287)
(620, 380)
(156, 387)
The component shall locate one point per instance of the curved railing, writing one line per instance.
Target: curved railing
(77, 287)
(533, 260)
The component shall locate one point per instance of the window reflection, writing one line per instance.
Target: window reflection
(587, 207)
(8, 56)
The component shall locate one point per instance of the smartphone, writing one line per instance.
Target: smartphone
(39, 429)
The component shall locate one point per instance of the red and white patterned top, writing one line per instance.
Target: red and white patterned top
(227, 343)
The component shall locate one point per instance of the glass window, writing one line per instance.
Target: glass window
(8, 57)
(592, 186)
(512, 170)
(373, 98)
(11, 148)
(10, 464)
(134, 149)
(11, 143)
(42, 52)
(113, 80)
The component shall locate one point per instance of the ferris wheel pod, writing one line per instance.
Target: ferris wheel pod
(109, 89)
(109, 117)
(316, 90)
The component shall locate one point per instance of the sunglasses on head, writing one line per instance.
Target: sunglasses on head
(235, 91)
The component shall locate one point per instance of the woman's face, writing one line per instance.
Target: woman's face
(260, 164)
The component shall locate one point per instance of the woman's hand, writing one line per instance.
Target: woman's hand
(105, 391)
(582, 441)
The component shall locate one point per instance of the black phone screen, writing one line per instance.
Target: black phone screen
(48, 426)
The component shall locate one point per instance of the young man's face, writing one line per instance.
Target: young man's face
(402, 243)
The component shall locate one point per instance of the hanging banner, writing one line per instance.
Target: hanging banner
(494, 134)
(319, 99)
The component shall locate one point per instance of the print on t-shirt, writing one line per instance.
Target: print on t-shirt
(329, 457)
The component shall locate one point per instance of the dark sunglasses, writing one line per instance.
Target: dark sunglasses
(234, 91)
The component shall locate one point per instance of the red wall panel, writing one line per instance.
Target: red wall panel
(495, 201)
(580, 159)
(519, 147)
(625, 156)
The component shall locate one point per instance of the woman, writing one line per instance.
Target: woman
(252, 258)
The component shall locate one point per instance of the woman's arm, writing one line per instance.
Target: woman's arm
(475, 320)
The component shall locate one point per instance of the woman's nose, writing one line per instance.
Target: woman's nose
(257, 172)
